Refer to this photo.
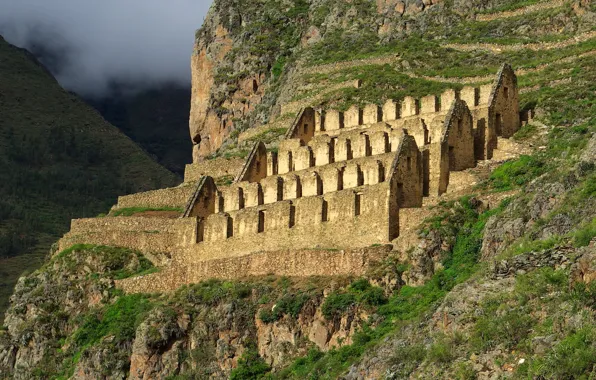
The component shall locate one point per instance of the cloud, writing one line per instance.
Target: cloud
(88, 44)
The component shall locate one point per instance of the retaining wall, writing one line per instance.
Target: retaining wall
(291, 263)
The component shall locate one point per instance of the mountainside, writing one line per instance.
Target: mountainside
(156, 118)
(497, 281)
(59, 160)
(258, 63)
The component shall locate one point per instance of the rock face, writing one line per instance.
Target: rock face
(219, 95)
(205, 124)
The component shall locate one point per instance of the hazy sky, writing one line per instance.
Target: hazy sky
(96, 41)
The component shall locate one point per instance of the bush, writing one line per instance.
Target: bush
(540, 282)
(407, 358)
(250, 366)
(441, 351)
(289, 304)
(572, 358)
(508, 328)
(212, 292)
(584, 235)
(119, 319)
(359, 292)
(337, 303)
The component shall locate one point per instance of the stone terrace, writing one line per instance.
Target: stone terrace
(337, 183)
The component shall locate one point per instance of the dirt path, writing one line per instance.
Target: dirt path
(520, 11)
(497, 48)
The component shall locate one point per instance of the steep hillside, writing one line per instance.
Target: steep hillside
(497, 281)
(155, 118)
(59, 160)
(256, 64)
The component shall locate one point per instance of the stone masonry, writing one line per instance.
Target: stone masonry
(336, 184)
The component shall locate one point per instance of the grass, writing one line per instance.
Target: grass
(540, 27)
(380, 83)
(113, 261)
(585, 234)
(250, 366)
(268, 136)
(225, 180)
(360, 292)
(573, 357)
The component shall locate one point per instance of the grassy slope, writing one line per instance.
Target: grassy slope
(59, 160)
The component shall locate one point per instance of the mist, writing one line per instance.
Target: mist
(90, 45)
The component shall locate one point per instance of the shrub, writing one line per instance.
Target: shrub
(120, 319)
(571, 358)
(540, 282)
(337, 303)
(465, 371)
(406, 359)
(507, 328)
(211, 292)
(584, 235)
(250, 366)
(441, 351)
(289, 304)
(301, 366)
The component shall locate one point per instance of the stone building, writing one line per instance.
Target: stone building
(334, 187)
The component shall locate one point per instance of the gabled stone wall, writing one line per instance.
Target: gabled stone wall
(216, 168)
(170, 197)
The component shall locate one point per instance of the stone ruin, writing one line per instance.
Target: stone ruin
(327, 202)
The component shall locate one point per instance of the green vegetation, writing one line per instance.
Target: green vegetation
(380, 83)
(409, 304)
(119, 319)
(130, 211)
(360, 292)
(519, 29)
(516, 173)
(573, 357)
(584, 235)
(268, 136)
(290, 304)
(511, 5)
(113, 260)
(250, 366)
(212, 292)
(225, 180)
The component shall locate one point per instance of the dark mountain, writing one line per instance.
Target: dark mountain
(59, 160)
(155, 118)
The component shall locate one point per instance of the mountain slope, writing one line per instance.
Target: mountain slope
(59, 160)
(156, 118)
(499, 283)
